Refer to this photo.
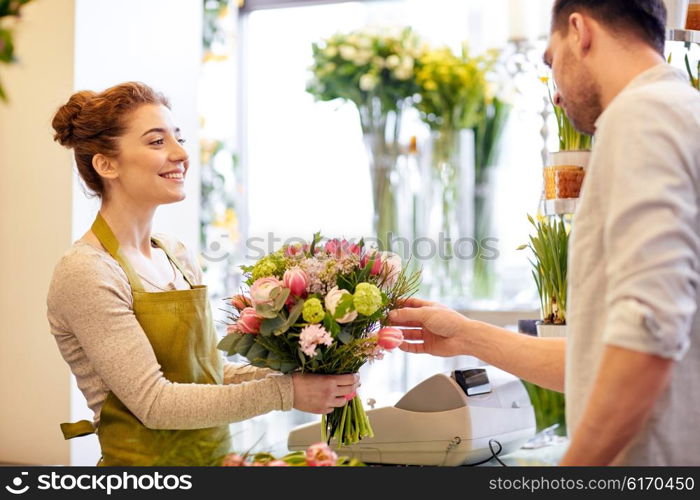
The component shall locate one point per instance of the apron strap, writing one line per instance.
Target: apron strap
(173, 260)
(109, 241)
(76, 429)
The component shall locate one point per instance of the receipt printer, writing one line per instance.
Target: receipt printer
(448, 419)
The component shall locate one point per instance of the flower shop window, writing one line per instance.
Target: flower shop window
(306, 162)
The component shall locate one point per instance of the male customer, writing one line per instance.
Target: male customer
(630, 366)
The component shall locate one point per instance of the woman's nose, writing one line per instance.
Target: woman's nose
(178, 153)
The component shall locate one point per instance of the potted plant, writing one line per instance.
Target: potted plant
(565, 169)
(549, 246)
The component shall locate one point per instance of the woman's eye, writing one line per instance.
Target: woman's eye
(182, 141)
(157, 142)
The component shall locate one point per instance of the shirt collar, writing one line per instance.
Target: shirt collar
(661, 71)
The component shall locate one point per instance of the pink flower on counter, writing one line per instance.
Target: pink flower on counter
(320, 455)
(233, 460)
(249, 321)
(240, 302)
(389, 338)
(277, 463)
(296, 280)
(261, 291)
(311, 336)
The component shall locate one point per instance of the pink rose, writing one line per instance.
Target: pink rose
(391, 268)
(320, 455)
(296, 280)
(332, 300)
(389, 338)
(249, 321)
(261, 293)
(240, 302)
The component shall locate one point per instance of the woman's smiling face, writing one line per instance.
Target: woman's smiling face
(152, 164)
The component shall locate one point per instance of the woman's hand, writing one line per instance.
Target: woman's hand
(433, 328)
(323, 393)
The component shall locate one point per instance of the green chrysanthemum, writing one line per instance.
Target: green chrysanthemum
(272, 265)
(313, 311)
(367, 299)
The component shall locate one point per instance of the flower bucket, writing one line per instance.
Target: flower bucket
(564, 173)
(551, 330)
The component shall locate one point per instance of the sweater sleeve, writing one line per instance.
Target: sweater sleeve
(91, 298)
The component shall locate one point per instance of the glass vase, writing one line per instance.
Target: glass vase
(483, 269)
(446, 272)
(381, 128)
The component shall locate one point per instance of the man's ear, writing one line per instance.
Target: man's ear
(104, 166)
(580, 28)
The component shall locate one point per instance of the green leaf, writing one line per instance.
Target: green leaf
(244, 345)
(257, 353)
(331, 325)
(271, 325)
(288, 366)
(295, 313)
(228, 342)
(345, 336)
(279, 297)
(344, 306)
(274, 361)
(266, 311)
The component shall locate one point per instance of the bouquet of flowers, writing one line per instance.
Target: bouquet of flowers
(316, 455)
(317, 308)
(361, 65)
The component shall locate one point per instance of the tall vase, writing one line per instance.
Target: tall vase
(483, 277)
(380, 128)
(447, 272)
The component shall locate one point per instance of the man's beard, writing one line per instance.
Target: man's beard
(583, 103)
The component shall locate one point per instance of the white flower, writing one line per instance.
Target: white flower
(330, 51)
(362, 57)
(348, 52)
(407, 62)
(378, 62)
(368, 82)
(332, 300)
(393, 61)
(364, 42)
(403, 73)
(352, 39)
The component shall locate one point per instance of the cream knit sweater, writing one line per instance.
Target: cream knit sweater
(91, 316)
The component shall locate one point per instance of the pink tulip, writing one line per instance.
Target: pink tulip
(355, 249)
(261, 291)
(389, 338)
(233, 460)
(249, 321)
(320, 455)
(376, 265)
(240, 302)
(296, 280)
(333, 247)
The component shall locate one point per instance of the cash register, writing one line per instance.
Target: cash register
(458, 418)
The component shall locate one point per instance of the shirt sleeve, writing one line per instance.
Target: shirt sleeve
(92, 299)
(650, 236)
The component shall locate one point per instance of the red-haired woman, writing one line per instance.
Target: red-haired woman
(128, 309)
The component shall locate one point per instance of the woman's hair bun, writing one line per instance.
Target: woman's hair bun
(64, 120)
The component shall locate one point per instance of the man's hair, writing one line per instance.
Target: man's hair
(646, 19)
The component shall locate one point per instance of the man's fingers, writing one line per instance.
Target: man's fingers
(415, 348)
(407, 316)
(416, 302)
(347, 380)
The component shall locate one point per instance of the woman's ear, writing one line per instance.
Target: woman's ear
(104, 166)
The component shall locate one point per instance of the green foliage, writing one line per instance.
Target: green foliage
(8, 8)
(549, 246)
(549, 407)
(452, 88)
